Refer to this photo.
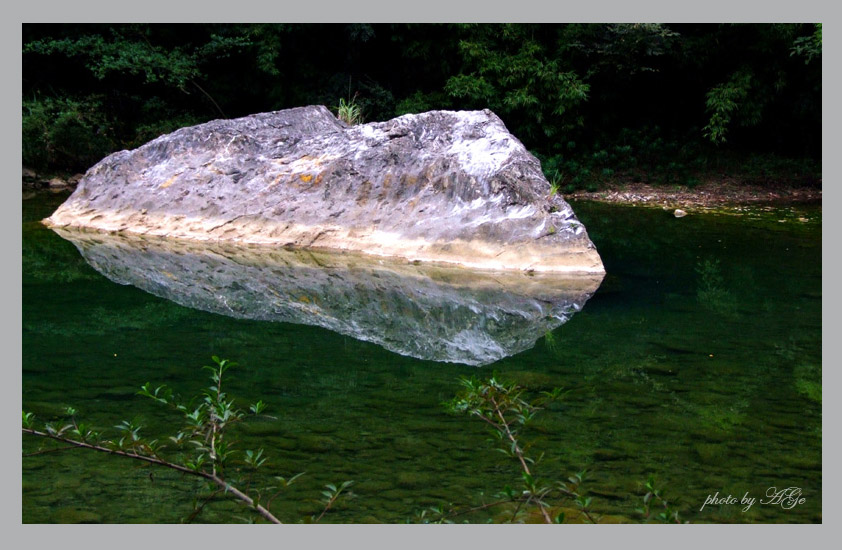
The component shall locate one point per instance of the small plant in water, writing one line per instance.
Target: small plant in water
(331, 494)
(202, 447)
(505, 409)
(655, 506)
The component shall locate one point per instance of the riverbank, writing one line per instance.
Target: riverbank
(721, 194)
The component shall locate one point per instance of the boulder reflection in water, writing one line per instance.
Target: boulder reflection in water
(431, 312)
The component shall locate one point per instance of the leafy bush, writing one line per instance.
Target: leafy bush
(809, 47)
(566, 89)
(65, 131)
(723, 102)
(511, 72)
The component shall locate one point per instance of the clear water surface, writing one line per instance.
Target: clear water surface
(697, 361)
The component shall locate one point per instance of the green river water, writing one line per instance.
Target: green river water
(697, 361)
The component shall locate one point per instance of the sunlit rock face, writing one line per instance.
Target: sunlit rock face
(440, 186)
(440, 313)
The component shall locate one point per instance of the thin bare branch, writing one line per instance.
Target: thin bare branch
(224, 485)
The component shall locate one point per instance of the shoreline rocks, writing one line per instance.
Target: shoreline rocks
(31, 180)
(441, 186)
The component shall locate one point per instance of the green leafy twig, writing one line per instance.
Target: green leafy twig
(207, 423)
(654, 498)
(504, 409)
(332, 494)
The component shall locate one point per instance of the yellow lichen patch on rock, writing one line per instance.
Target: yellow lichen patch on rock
(168, 182)
(306, 178)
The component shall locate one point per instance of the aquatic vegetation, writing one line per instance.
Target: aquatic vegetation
(637, 360)
(205, 447)
(811, 390)
(711, 453)
(504, 407)
(201, 448)
(653, 501)
(807, 376)
(808, 381)
(711, 292)
(788, 351)
(721, 417)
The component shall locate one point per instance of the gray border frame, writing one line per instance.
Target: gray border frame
(388, 536)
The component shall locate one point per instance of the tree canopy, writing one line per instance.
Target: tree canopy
(566, 90)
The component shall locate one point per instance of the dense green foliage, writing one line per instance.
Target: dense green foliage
(593, 101)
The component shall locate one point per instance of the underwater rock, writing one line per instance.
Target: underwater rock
(439, 186)
(434, 312)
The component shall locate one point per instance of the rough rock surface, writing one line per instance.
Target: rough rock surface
(433, 312)
(439, 186)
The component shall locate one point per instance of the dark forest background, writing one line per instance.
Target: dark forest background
(667, 104)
